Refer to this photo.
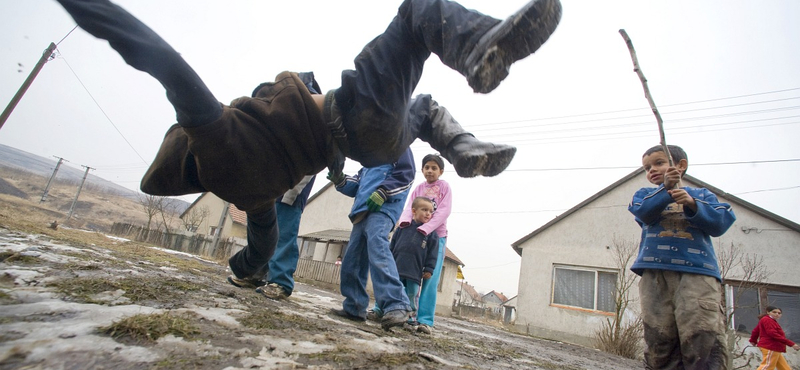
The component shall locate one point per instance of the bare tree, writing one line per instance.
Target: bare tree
(167, 208)
(619, 336)
(194, 217)
(742, 271)
(151, 205)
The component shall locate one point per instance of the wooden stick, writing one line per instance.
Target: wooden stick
(638, 71)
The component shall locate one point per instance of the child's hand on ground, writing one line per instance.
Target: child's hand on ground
(426, 275)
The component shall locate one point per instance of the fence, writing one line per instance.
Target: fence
(477, 312)
(317, 271)
(195, 244)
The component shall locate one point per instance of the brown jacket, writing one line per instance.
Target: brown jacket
(258, 149)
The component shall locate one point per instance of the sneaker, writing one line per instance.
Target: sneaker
(411, 326)
(342, 313)
(373, 315)
(394, 318)
(273, 291)
(250, 283)
(424, 329)
(513, 39)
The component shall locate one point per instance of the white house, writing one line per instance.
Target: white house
(206, 211)
(567, 275)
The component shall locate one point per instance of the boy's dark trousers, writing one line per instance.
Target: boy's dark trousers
(379, 116)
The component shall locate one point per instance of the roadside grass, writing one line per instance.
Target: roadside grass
(142, 328)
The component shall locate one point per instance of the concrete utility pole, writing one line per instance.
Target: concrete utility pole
(222, 216)
(75, 201)
(50, 182)
(38, 67)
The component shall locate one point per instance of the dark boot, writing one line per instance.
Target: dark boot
(472, 157)
(510, 40)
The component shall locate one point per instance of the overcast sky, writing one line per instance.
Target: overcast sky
(724, 75)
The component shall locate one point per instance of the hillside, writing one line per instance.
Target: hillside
(21, 160)
(97, 207)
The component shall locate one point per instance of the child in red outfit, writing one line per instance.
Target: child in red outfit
(770, 338)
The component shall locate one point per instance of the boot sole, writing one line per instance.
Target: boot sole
(513, 39)
(483, 163)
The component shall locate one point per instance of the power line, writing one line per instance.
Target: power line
(101, 109)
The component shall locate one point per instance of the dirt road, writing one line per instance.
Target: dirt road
(74, 300)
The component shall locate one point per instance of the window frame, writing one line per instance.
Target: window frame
(596, 271)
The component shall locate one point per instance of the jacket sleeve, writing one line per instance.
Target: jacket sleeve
(402, 176)
(351, 185)
(756, 333)
(712, 217)
(648, 203)
(443, 209)
(432, 246)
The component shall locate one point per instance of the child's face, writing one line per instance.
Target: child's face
(422, 212)
(656, 165)
(431, 171)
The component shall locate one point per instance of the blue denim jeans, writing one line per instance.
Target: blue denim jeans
(284, 261)
(368, 252)
(426, 310)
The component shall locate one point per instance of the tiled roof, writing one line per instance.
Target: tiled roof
(238, 216)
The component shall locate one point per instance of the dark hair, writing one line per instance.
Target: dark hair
(433, 157)
(675, 152)
(768, 310)
(417, 200)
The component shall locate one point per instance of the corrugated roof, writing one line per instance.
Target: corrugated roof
(337, 235)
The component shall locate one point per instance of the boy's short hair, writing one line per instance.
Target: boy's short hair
(418, 200)
(433, 157)
(677, 153)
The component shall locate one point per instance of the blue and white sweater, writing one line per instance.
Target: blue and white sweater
(394, 179)
(675, 238)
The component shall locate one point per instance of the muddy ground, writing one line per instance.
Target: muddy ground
(78, 300)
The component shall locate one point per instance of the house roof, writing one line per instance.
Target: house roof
(499, 295)
(337, 235)
(238, 216)
(469, 289)
(729, 197)
(451, 256)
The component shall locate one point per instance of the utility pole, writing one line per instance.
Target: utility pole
(75, 201)
(222, 216)
(38, 67)
(50, 182)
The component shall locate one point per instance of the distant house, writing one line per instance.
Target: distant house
(494, 300)
(510, 310)
(204, 213)
(325, 231)
(466, 295)
(567, 275)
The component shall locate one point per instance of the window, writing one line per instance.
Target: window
(749, 302)
(587, 288)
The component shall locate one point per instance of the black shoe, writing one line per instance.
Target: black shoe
(249, 283)
(394, 318)
(472, 157)
(509, 41)
(342, 313)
